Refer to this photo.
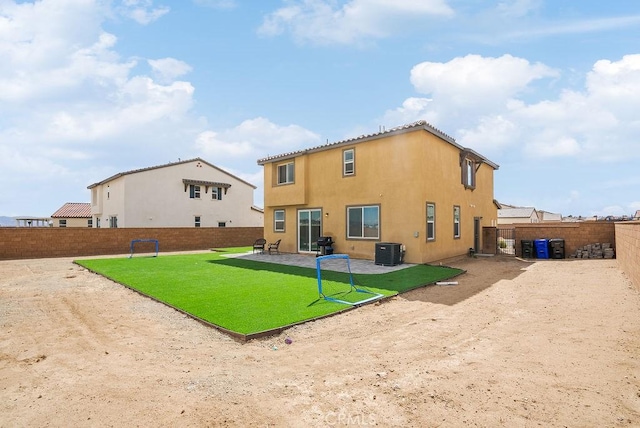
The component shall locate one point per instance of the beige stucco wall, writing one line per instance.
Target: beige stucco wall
(157, 198)
(71, 222)
(400, 173)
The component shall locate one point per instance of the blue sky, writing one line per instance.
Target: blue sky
(549, 90)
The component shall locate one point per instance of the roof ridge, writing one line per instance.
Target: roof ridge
(417, 124)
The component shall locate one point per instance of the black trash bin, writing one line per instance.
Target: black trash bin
(527, 249)
(556, 248)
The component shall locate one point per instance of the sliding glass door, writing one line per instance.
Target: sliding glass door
(309, 229)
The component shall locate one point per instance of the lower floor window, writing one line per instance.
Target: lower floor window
(431, 221)
(222, 224)
(278, 221)
(197, 221)
(363, 222)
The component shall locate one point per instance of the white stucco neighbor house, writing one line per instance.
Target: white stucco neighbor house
(188, 193)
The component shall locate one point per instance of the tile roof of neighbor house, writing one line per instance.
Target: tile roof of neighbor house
(73, 210)
(421, 124)
(134, 171)
(516, 212)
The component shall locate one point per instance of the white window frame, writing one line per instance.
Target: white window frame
(216, 193)
(194, 191)
(286, 173)
(349, 165)
(431, 220)
(279, 224)
(363, 229)
(469, 173)
(197, 221)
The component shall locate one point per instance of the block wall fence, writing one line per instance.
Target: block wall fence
(575, 235)
(31, 243)
(628, 250)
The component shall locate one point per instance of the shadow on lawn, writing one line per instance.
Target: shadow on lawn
(399, 281)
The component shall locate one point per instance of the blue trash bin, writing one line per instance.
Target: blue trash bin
(542, 248)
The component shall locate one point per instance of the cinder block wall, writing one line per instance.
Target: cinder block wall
(628, 254)
(575, 235)
(28, 243)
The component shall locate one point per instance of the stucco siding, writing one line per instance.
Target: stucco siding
(398, 173)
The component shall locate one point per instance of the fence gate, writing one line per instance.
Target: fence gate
(506, 241)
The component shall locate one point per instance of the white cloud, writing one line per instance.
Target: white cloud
(168, 69)
(142, 11)
(64, 89)
(475, 81)
(331, 22)
(518, 8)
(412, 110)
(490, 134)
(483, 100)
(257, 137)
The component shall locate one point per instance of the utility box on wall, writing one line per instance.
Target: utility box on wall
(388, 254)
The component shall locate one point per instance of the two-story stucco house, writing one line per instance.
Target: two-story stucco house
(412, 185)
(189, 193)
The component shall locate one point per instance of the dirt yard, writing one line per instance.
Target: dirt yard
(515, 344)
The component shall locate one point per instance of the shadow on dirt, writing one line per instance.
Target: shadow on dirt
(481, 273)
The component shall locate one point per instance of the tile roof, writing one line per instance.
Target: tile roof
(421, 124)
(73, 210)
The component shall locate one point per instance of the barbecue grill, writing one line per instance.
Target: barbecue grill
(325, 246)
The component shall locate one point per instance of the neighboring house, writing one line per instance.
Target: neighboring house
(412, 185)
(190, 193)
(546, 216)
(73, 214)
(517, 215)
(636, 216)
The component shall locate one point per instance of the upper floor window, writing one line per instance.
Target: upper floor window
(194, 191)
(285, 173)
(456, 221)
(431, 221)
(363, 222)
(216, 193)
(278, 221)
(349, 162)
(469, 173)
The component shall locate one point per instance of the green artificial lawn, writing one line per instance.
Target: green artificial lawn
(247, 296)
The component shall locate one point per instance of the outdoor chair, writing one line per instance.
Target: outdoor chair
(275, 247)
(259, 245)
